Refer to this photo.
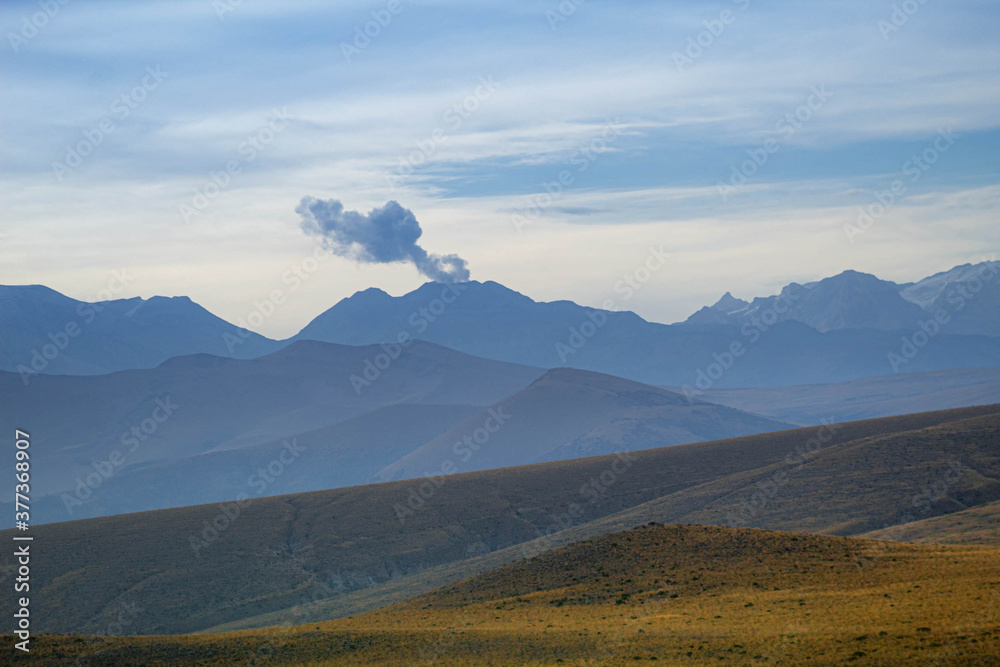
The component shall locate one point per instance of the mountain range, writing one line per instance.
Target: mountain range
(968, 295)
(210, 429)
(842, 328)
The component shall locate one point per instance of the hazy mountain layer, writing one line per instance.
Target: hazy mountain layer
(867, 398)
(88, 430)
(569, 413)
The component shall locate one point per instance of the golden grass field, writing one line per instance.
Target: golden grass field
(691, 595)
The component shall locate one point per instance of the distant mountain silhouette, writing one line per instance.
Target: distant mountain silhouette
(900, 394)
(43, 331)
(863, 320)
(834, 330)
(969, 295)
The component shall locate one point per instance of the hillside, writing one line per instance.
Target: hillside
(977, 525)
(903, 393)
(567, 414)
(275, 553)
(404, 441)
(845, 489)
(316, 432)
(684, 594)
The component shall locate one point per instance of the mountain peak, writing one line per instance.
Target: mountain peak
(370, 293)
(728, 303)
(33, 292)
(488, 293)
(851, 274)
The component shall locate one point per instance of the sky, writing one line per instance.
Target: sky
(552, 146)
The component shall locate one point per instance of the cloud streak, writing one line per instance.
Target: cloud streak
(382, 236)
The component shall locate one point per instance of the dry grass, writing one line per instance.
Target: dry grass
(680, 594)
(977, 525)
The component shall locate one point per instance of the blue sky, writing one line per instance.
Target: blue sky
(591, 92)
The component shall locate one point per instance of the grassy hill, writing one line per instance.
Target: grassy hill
(847, 489)
(198, 567)
(976, 525)
(684, 594)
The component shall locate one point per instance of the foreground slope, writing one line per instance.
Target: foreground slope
(918, 481)
(684, 594)
(197, 567)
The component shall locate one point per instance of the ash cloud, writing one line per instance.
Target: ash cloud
(382, 236)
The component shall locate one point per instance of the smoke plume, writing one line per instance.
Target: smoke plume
(381, 236)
